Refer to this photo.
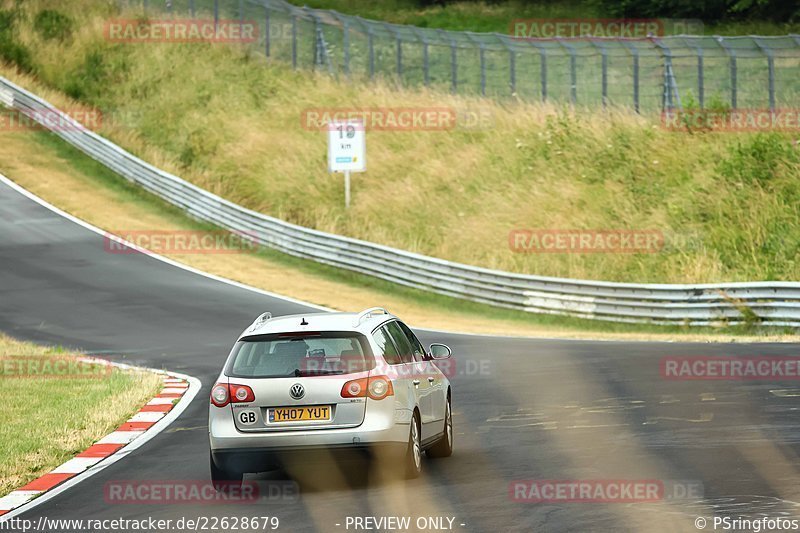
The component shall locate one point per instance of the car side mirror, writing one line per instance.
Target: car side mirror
(440, 351)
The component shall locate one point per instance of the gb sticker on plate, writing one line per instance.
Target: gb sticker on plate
(247, 417)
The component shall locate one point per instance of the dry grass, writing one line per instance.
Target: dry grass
(229, 121)
(46, 421)
(79, 191)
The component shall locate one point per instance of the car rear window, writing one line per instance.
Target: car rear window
(300, 354)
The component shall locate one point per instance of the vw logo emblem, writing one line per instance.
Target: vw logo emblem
(297, 391)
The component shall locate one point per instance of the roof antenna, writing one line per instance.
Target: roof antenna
(303, 322)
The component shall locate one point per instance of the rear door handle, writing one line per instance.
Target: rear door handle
(416, 382)
(431, 380)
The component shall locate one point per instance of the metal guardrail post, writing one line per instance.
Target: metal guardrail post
(216, 14)
(144, 5)
(192, 10)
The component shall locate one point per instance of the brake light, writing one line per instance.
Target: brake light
(222, 394)
(376, 387)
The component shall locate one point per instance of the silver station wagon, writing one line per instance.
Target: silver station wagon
(324, 382)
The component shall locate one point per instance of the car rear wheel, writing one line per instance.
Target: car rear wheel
(444, 448)
(413, 460)
(223, 479)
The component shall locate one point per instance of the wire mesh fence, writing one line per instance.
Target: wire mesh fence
(649, 74)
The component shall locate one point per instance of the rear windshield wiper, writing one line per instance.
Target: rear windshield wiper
(298, 372)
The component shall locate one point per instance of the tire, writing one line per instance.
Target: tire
(444, 448)
(222, 479)
(413, 459)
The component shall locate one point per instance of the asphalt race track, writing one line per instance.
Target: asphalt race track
(523, 408)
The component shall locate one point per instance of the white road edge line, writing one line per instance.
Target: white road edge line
(153, 431)
(95, 229)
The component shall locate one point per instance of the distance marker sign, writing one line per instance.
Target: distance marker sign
(347, 150)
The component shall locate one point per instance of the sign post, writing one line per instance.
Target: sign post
(347, 151)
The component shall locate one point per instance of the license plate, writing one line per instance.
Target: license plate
(300, 414)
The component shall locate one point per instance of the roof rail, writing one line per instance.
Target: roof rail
(260, 320)
(367, 313)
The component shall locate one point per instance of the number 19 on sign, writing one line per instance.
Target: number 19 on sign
(347, 151)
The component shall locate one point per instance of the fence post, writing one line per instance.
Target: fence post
(425, 60)
(144, 5)
(670, 95)
(544, 74)
(482, 51)
(603, 70)
(512, 71)
(346, 46)
(371, 46)
(733, 69)
(266, 30)
(573, 71)
(216, 15)
(454, 66)
(399, 57)
(241, 16)
(771, 68)
(635, 56)
(294, 41)
(315, 48)
(191, 8)
(701, 89)
(734, 81)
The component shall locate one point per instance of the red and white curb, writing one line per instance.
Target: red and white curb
(177, 392)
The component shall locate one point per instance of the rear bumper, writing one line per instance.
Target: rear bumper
(258, 460)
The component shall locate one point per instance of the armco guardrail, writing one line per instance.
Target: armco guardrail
(769, 303)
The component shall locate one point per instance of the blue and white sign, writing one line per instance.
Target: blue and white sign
(347, 147)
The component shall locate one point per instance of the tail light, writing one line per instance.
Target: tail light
(376, 387)
(223, 393)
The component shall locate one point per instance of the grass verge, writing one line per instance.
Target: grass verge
(52, 169)
(45, 421)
